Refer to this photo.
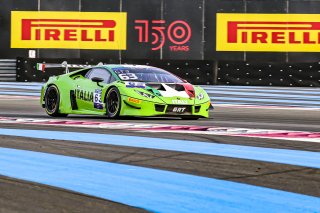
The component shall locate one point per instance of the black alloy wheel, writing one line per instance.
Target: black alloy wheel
(52, 101)
(113, 103)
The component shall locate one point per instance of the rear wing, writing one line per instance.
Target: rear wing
(43, 66)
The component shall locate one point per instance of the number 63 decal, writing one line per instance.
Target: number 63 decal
(128, 76)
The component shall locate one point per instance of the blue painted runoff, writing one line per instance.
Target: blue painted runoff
(22, 83)
(20, 93)
(150, 189)
(26, 87)
(283, 156)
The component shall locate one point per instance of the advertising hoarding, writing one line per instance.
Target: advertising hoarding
(69, 30)
(268, 32)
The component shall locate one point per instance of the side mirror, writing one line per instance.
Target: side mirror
(97, 79)
(184, 81)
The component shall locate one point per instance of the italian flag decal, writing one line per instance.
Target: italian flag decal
(41, 67)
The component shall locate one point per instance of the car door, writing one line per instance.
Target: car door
(93, 90)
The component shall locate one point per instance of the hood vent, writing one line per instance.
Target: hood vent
(156, 86)
(178, 87)
(171, 90)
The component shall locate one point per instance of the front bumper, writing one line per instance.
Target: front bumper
(137, 107)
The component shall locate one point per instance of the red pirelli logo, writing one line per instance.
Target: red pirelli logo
(280, 32)
(68, 30)
(237, 32)
(95, 31)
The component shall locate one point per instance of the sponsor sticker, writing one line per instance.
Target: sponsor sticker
(133, 100)
(179, 101)
(84, 95)
(97, 103)
(130, 84)
(268, 32)
(69, 30)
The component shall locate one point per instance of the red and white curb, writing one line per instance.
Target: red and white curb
(201, 130)
(243, 106)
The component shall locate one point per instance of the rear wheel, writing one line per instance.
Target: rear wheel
(52, 101)
(113, 103)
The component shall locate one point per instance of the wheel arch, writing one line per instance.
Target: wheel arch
(107, 90)
(64, 100)
(56, 88)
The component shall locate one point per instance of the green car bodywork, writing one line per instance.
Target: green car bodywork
(77, 94)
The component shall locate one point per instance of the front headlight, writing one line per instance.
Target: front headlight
(145, 94)
(200, 96)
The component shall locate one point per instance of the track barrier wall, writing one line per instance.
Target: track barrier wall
(198, 72)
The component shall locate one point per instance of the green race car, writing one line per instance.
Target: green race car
(122, 90)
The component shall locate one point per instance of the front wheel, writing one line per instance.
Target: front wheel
(52, 101)
(113, 103)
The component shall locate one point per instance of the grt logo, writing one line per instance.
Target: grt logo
(68, 30)
(177, 32)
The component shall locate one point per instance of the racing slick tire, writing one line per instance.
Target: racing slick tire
(52, 101)
(113, 103)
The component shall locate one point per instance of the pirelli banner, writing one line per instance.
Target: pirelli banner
(69, 30)
(268, 32)
(139, 33)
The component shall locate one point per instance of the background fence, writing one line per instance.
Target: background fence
(7, 70)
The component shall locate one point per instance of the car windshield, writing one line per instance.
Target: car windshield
(145, 74)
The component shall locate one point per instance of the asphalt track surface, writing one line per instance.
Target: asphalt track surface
(20, 194)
